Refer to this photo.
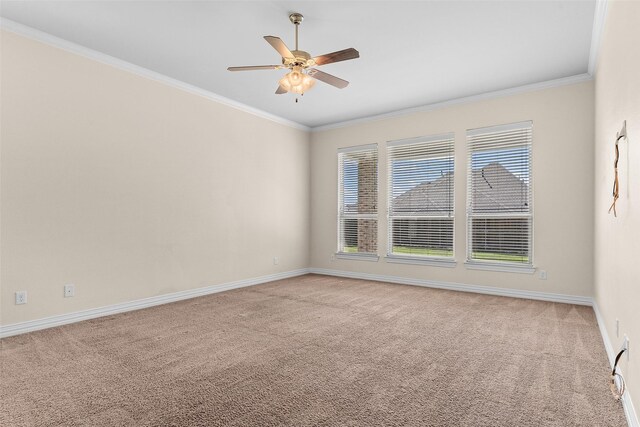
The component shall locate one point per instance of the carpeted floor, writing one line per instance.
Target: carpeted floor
(316, 351)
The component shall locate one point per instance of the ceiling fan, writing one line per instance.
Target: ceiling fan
(302, 75)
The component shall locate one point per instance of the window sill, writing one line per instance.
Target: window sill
(503, 267)
(435, 262)
(358, 256)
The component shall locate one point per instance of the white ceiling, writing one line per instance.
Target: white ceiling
(412, 53)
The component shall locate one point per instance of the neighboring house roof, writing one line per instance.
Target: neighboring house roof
(497, 190)
(430, 197)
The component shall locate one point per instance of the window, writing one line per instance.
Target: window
(421, 197)
(358, 200)
(499, 195)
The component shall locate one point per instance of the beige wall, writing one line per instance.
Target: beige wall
(563, 187)
(129, 188)
(617, 240)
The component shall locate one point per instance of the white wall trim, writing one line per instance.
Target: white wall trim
(63, 319)
(41, 36)
(627, 403)
(599, 19)
(466, 100)
(488, 290)
(46, 38)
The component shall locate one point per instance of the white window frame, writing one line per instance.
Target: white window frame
(342, 215)
(494, 264)
(434, 260)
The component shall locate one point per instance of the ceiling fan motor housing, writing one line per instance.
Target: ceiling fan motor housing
(300, 59)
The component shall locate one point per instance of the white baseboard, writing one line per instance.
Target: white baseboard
(627, 403)
(63, 319)
(630, 413)
(515, 293)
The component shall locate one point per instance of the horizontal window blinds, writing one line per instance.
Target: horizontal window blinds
(499, 194)
(421, 196)
(358, 199)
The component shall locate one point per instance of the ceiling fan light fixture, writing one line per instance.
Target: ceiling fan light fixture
(301, 76)
(296, 81)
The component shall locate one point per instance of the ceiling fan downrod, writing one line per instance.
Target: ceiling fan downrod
(296, 19)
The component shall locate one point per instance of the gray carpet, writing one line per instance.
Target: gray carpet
(316, 351)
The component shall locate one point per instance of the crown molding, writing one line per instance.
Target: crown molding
(599, 19)
(598, 25)
(579, 78)
(46, 38)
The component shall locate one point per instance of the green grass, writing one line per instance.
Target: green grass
(486, 256)
(500, 257)
(421, 251)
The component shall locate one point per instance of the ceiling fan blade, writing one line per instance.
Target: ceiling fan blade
(328, 78)
(341, 55)
(279, 45)
(280, 90)
(255, 67)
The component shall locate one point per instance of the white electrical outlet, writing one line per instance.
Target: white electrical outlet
(275, 260)
(69, 291)
(617, 328)
(543, 274)
(21, 297)
(333, 257)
